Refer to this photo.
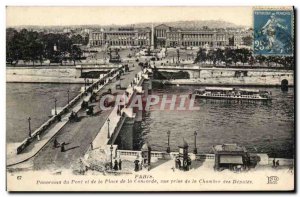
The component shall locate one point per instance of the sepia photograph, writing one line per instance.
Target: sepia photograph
(153, 99)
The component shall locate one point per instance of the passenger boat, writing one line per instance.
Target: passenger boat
(232, 93)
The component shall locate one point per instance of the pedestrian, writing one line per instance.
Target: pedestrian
(38, 137)
(189, 163)
(116, 166)
(120, 164)
(185, 166)
(136, 165)
(92, 148)
(62, 148)
(277, 163)
(58, 118)
(274, 164)
(55, 144)
(179, 164)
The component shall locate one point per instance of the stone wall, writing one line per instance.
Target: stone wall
(225, 76)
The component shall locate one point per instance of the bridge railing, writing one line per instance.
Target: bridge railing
(64, 110)
(205, 157)
(128, 153)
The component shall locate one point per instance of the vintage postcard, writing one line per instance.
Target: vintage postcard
(150, 99)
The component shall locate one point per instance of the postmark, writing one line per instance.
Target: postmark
(273, 31)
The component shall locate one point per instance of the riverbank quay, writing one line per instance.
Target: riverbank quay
(225, 76)
(41, 136)
(52, 74)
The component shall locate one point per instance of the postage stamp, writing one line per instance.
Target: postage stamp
(273, 32)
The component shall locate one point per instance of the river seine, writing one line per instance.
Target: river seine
(266, 127)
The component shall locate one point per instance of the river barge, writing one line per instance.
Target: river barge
(232, 93)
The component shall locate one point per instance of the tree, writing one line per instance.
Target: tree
(247, 40)
(289, 62)
(251, 60)
(219, 54)
(33, 46)
(76, 53)
(13, 46)
(244, 55)
(269, 59)
(261, 59)
(201, 56)
(228, 56)
(235, 56)
(178, 55)
(77, 39)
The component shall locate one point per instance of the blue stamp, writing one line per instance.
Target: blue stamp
(273, 32)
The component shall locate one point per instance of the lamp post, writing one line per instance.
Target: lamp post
(29, 126)
(55, 111)
(168, 148)
(108, 120)
(111, 155)
(195, 149)
(68, 96)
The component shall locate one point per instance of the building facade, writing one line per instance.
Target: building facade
(164, 36)
(196, 38)
(121, 37)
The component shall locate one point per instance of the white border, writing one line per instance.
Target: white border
(115, 3)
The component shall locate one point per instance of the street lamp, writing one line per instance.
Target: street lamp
(111, 155)
(168, 148)
(29, 126)
(108, 120)
(68, 96)
(195, 149)
(55, 111)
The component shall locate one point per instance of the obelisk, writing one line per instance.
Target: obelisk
(152, 38)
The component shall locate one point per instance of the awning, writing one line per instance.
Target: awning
(231, 159)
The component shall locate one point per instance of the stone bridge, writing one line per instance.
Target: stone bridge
(95, 68)
(230, 76)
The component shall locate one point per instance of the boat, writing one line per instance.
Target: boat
(232, 93)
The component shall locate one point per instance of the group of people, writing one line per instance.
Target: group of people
(73, 116)
(56, 144)
(139, 164)
(117, 165)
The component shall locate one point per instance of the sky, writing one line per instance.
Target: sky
(59, 16)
